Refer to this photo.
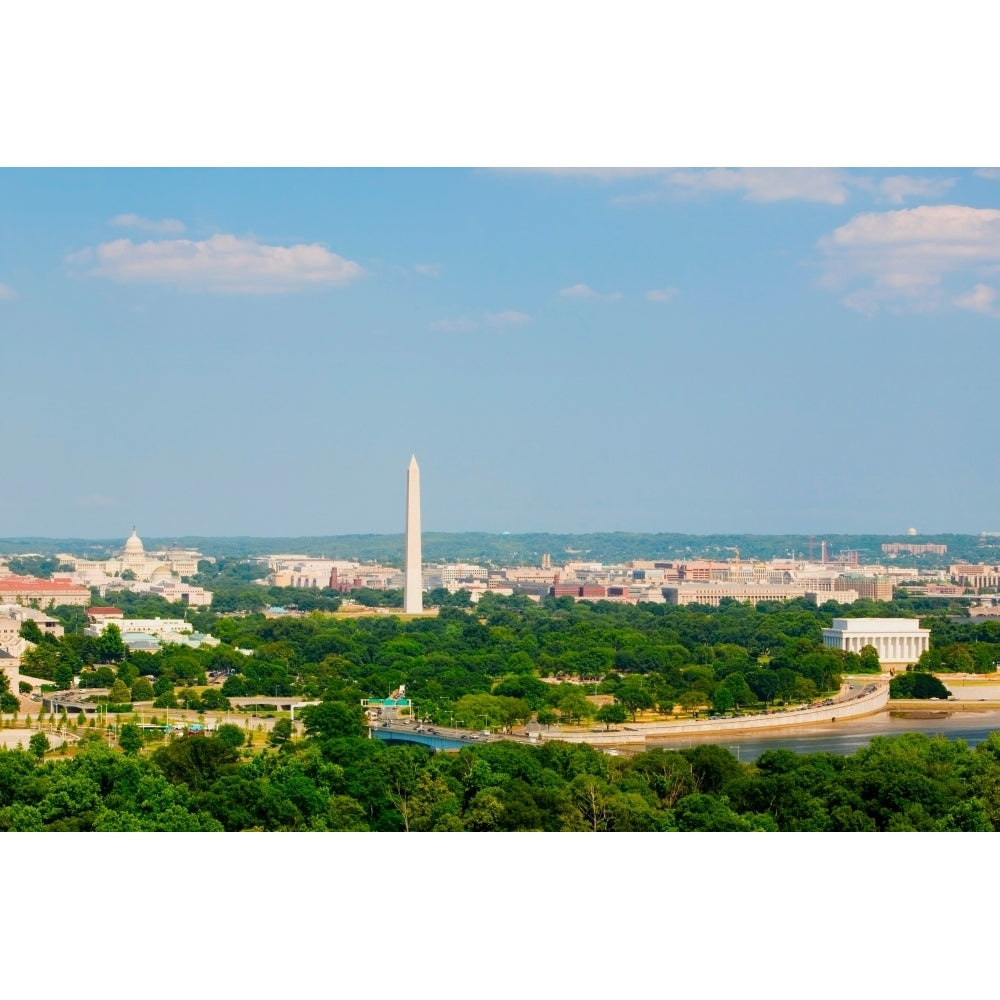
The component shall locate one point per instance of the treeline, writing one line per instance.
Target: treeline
(233, 587)
(336, 781)
(961, 646)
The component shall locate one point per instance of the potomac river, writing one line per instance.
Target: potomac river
(850, 735)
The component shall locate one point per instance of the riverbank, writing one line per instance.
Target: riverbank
(846, 738)
(858, 697)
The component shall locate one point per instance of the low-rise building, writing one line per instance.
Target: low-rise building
(913, 548)
(29, 590)
(530, 574)
(141, 626)
(749, 593)
(444, 574)
(977, 576)
(15, 615)
(185, 593)
(144, 642)
(100, 615)
(872, 588)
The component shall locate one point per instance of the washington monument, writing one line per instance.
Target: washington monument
(413, 585)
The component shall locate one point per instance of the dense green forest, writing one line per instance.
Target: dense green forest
(508, 659)
(498, 664)
(333, 780)
(501, 549)
(493, 665)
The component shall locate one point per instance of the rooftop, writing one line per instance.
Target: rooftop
(25, 584)
(870, 624)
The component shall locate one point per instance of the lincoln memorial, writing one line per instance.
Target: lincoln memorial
(898, 641)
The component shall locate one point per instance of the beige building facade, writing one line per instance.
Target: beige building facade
(28, 590)
(749, 593)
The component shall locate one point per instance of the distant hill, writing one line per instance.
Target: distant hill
(528, 548)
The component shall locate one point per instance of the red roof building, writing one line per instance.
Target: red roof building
(30, 590)
(104, 614)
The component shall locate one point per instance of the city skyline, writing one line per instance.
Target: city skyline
(701, 351)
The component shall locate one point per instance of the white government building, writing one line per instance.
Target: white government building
(898, 641)
(143, 565)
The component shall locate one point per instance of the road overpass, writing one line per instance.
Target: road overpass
(436, 737)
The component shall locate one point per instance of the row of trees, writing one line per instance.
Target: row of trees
(336, 780)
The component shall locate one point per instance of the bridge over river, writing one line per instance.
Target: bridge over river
(437, 737)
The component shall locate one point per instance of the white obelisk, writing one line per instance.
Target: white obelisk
(413, 585)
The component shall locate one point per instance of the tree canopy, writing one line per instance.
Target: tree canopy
(199, 782)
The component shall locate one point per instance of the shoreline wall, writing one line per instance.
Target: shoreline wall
(870, 703)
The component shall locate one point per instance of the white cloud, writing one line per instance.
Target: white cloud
(132, 221)
(899, 259)
(428, 270)
(509, 317)
(582, 291)
(979, 299)
(6, 292)
(460, 324)
(579, 292)
(830, 186)
(219, 264)
(989, 173)
(661, 294)
(94, 500)
(593, 173)
(466, 324)
(896, 190)
(767, 184)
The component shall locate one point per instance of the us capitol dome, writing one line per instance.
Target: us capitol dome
(134, 557)
(134, 544)
(143, 566)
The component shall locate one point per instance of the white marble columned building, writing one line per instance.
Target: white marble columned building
(898, 641)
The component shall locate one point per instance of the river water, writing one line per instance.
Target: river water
(848, 736)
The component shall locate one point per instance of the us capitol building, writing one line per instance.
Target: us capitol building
(140, 564)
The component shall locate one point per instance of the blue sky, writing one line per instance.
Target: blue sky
(242, 351)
